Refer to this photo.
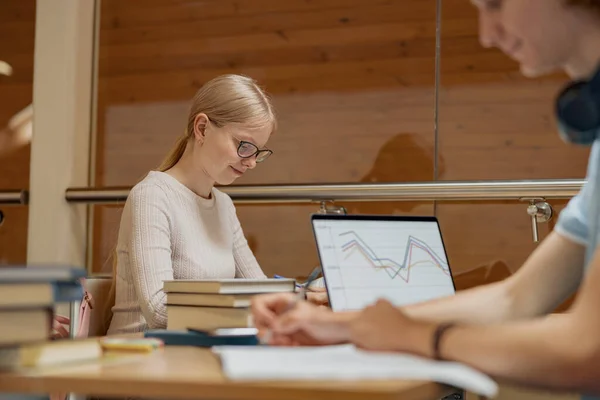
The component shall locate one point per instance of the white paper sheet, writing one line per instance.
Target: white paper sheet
(345, 362)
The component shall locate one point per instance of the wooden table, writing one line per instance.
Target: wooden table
(191, 372)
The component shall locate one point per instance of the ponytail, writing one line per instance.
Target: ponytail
(225, 99)
(175, 154)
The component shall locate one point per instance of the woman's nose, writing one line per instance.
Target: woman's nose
(249, 162)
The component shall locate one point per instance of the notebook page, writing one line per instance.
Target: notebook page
(345, 362)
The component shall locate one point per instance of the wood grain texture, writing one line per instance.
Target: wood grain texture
(181, 372)
(353, 83)
(17, 28)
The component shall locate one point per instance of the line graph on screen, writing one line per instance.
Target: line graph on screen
(392, 268)
(404, 263)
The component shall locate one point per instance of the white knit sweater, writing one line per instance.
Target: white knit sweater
(168, 232)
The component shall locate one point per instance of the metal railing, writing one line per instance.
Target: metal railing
(536, 192)
(305, 193)
(18, 197)
(352, 192)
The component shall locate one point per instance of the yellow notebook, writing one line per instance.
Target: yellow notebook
(141, 345)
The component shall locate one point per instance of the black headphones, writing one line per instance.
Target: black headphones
(578, 111)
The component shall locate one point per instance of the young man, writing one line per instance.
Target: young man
(502, 328)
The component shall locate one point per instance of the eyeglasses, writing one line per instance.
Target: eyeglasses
(247, 150)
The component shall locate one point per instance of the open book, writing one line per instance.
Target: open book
(345, 362)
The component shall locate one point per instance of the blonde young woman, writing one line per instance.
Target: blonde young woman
(175, 223)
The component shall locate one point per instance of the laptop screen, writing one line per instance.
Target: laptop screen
(365, 258)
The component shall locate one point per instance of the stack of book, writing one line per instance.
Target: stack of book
(28, 299)
(213, 304)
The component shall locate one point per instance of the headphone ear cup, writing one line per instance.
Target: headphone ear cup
(578, 112)
(576, 108)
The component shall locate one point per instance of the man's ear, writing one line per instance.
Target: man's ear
(200, 124)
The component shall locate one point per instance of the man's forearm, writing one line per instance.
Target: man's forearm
(481, 305)
(547, 352)
(548, 277)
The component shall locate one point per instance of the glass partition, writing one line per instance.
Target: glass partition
(352, 82)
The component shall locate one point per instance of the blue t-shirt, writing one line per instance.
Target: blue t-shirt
(579, 220)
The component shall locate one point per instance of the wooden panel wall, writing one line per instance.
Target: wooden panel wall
(17, 33)
(353, 82)
(356, 76)
(337, 69)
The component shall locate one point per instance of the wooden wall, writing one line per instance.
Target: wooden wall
(356, 76)
(17, 33)
(353, 83)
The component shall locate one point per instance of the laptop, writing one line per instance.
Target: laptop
(367, 257)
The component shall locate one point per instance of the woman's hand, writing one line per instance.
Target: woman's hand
(383, 327)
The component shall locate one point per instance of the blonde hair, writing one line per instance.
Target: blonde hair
(226, 99)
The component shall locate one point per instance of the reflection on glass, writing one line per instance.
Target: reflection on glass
(405, 157)
(353, 87)
(489, 241)
(345, 80)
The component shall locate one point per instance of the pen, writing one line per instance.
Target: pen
(311, 277)
(300, 296)
(283, 277)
